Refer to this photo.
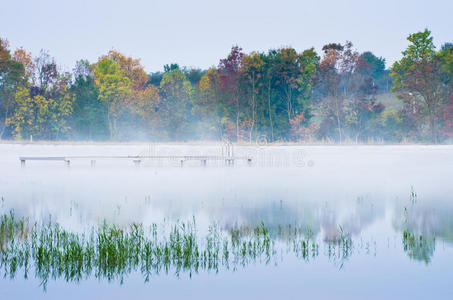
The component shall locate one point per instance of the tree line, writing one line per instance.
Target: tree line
(278, 95)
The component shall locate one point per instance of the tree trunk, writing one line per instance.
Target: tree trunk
(237, 119)
(337, 112)
(269, 108)
(252, 126)
(289, 106)
(433, 126)
(4, 122)
(109, 120)
(432, 120)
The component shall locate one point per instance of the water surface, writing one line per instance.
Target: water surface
(356, 222)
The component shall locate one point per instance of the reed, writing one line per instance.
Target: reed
(111, 252)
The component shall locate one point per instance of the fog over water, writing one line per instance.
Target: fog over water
(371, 193)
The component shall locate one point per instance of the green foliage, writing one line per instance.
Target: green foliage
(445, 57)
(278, 95)
(375, 65)
(419, 77)
(39, 116)
(421, 51)
(175, 107)
(113, 89)
(89, 112)
(309, 63)
(11, 78)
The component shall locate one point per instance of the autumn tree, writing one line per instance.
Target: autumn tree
(309, 61)
(193, 75)
(230, 77)
(43, 116)
(89, 112)
(447, 116)
(45, 73)
(417, 77)
(363, 110)
(114, 89)
(252, 68)
(269, 82)
(445, 57)
(329, 79)
(26, 59)
(280, 94)
(11, 79)
(44, 107)
(208, 105)
(374, 67)
(347, 87)
(143, 99)
(175, 107)
(288, 70)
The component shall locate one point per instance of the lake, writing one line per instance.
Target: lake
(321, 222)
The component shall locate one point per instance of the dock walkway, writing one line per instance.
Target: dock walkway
(137, 159)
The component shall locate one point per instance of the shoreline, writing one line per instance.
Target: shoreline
(209, 143)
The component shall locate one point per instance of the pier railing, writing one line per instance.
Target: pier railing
(182, 159)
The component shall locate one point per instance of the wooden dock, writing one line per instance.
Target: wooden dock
(229, 160)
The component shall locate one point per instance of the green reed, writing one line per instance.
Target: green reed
(112, 252)
(419, 247)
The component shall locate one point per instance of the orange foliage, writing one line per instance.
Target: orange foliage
(25, 58)
(131, 68)
(299, 129)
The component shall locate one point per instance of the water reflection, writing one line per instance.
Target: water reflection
(236, 236)
(419, 247)
(421, 223)
(350, 223)
(111, 251)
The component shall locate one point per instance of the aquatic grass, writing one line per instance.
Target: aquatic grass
(112, 252)
(418, 241)
(418, 246)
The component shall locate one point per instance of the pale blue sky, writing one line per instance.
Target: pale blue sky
(200, 32)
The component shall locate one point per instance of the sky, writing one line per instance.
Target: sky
(198, 33)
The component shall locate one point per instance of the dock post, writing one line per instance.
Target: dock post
(68, 163)
(229, 162)
(22, 163)
(137, 162)
(93, 163)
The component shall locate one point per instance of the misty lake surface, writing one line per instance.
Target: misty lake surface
(319, 222)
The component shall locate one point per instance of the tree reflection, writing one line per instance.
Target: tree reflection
(421, 223)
